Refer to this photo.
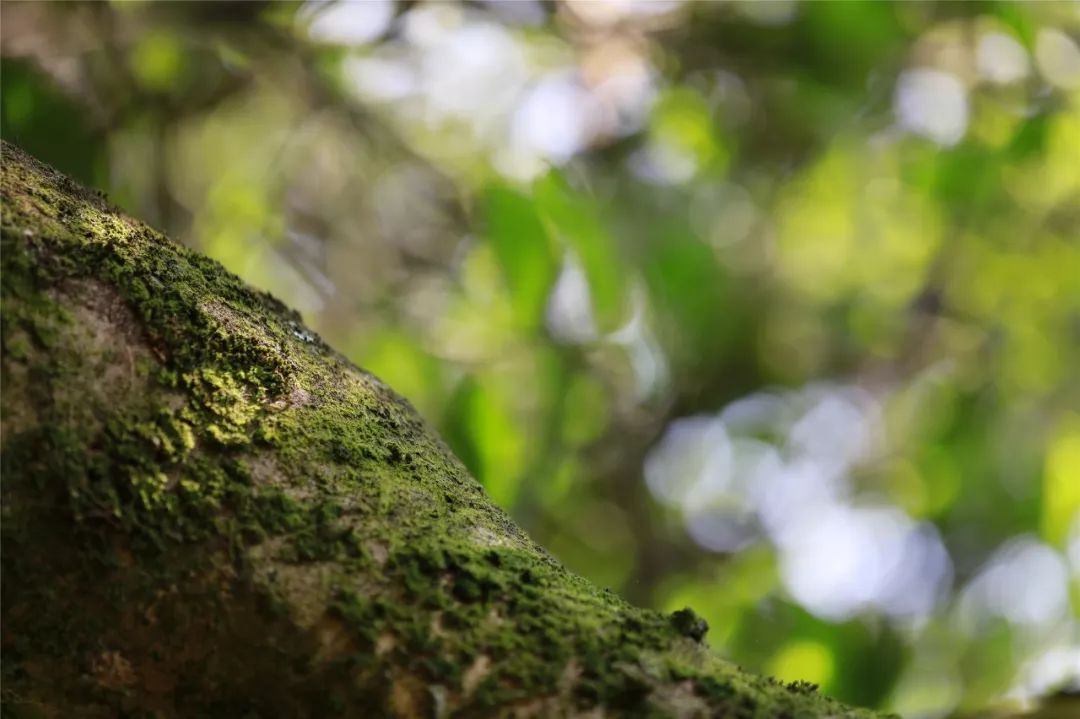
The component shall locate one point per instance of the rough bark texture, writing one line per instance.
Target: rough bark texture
(207, 512)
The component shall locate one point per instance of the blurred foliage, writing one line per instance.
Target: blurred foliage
(772, 309)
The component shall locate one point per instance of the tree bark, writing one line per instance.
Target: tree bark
(208, 512)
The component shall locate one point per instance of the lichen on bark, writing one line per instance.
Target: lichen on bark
(208, 512)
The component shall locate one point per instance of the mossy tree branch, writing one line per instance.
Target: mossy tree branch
(208, 512)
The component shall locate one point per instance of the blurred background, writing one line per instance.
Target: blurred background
(769, 308)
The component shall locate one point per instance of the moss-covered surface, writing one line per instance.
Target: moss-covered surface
(207, 512)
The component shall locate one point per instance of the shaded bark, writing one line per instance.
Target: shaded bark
(208, 512)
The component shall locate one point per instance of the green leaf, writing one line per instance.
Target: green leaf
(692, 294)
(483, 432)
(524, 252)
(1061, 481)
(575, 219)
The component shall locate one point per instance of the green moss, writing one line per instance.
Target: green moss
(689, 624)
